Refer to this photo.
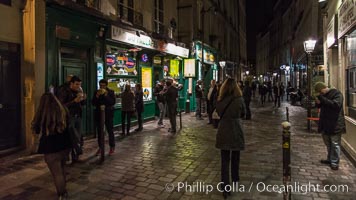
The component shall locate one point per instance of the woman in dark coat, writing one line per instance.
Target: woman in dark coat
(230, 137)
(51, 122)
(127, 108)
(139, 106)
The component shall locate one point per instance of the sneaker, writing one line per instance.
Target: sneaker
(112, 151)
(334, 167)
(98, 152)
(325, 162)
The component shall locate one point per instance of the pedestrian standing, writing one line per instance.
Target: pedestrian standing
(104, 96)
(139, 106)
(211, 100)
(247, 94)
(230, 136)
(160, 102)
(283, 90)
(74, 99)
(277, 95)
(198, 99)
(171, 94)
(270, 91)
(331, 121)
(127, 109)
(263, 91)
(51, 122)
(253, 87)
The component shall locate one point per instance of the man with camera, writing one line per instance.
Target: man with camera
(105, 96)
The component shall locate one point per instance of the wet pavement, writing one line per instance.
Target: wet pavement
(155, 164)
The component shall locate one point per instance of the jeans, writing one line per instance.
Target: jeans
(139, 120)
(109, 125)
(125, 114)
(56, 165)
(235, 166)
(172, 113)
(198, 108)
(162, 112)
(332, 143)
(277, 100)
(76, 122)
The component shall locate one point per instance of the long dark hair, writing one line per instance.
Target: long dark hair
(50, 117)
(229, 88)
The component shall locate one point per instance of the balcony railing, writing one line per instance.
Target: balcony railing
(127, 14)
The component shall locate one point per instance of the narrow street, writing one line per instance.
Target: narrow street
(149, 164)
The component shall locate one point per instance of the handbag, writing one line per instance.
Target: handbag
(215, 115)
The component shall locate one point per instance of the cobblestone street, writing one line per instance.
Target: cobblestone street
(155, 164)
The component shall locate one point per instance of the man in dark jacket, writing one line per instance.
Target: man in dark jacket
(331, 121)
(247, 94)
(171, 95)
(198, 99)
(105, 96)
(74, 100)
(160, 102)
(211, 100)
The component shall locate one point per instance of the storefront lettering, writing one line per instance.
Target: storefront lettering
(347, 17)
(124, 36)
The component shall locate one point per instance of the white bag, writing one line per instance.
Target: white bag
(215, 115)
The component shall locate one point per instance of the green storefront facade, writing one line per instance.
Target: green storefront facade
(93, 48)
(206, 73)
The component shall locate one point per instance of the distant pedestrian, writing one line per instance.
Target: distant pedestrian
(253, 87)
(277, 95)
(198, 99)
(247, 94)
(331, 121)
(127, 109)
(211, 100)
(171, 95)
(289, 89)
(269, 91)
(283, 90)
(104, 96)
(51, 122)
(139, 106)
(263, 91)
(158, 90)
(230, 136)
(216, 120)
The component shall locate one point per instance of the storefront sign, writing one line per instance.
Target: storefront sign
(147, 83)
(174, 66)
(144, 57)
(189, 67)
(176, 50)
(331, 33)
(347, 17)
(157, 60)
(99, 72)
(121, 35)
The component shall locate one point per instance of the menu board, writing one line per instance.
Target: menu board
(147, 83)
(189, 67)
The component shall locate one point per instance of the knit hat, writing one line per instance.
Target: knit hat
(319, 86)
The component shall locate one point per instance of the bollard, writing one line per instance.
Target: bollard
(102, 133)
(286, 159)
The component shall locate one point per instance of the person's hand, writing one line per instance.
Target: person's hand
(317, 101)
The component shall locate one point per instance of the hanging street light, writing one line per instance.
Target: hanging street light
(309, 46)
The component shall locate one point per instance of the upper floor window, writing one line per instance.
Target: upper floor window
(126, 10)
(158, 20)
(6, 2)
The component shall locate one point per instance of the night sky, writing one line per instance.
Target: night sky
(258, 14)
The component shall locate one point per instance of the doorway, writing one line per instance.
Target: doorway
(10, 95)
(74, 61)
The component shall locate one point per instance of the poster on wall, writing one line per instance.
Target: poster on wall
(99, 73)
(174, 69)
(189, 67)
(147, 83)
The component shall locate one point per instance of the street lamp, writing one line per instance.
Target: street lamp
(309, 48)
(222, 64)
